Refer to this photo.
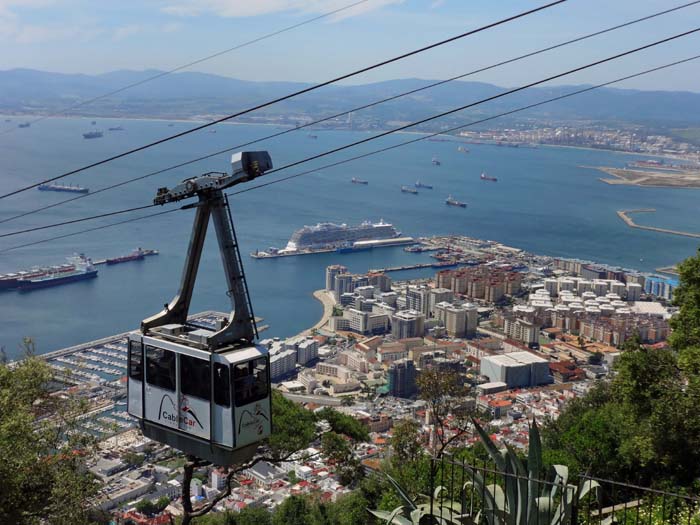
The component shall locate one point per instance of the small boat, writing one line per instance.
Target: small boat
(462, 149)
(93, 122)
(313, 136)
(170, 125)
(419, 184)
(436, 161)
(355, 180)
(486, 177)
(92, 135)
(408, 189)
(24, 125)
(454, 202)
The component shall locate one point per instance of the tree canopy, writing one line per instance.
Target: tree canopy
(643, 426)
(43, 467)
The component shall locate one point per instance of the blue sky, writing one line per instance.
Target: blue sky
(96, 36)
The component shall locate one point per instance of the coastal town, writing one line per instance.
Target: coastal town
(525, 333)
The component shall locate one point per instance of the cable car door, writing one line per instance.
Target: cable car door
(222, 411)
(135, 379)
(195, 395)
(251, 395)
(160, 390)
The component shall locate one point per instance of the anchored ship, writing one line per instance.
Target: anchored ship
(63, 187)
(486, 177)
(10, 281)
(82, 270)
(327, 237)
(419, 184)
(137, 255)
(355, 180)
(24, 125)
(115, 128)
(92, 135)
(462, 149)
(454, 202)
(408, 189)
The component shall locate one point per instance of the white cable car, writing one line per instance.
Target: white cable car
(204, 391)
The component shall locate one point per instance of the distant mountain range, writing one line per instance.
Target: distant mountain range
(187, 94)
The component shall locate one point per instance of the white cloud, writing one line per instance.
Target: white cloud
(247, 8)
(122, 32)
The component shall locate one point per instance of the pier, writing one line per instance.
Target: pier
(624, 215)
(402, 268)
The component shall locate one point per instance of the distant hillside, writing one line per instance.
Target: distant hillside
(187, 94)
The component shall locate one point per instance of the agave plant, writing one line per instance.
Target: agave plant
(525, 497)
(436, 510)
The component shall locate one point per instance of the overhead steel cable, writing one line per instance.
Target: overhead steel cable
(195, 62)
(288, 96)
(395, 130)
(462, 126)
(96, 228)
(375, 152)
(73, 221)
(346, 112)
(482, 101)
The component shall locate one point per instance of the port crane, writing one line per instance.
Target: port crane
(204, 391)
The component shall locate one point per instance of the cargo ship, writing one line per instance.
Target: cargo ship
(115, 128)
(408, 189)
(10, 281)
(82, 270)
(330, 237)
(24, 125)
(454, 202)
(137, 255)
(436, 161)
(62, 187)
(355, 180)
(419, 184)
(92, 135)
(486, 177)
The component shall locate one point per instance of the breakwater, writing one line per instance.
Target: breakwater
(624, 215)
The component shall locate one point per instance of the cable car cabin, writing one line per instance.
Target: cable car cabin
(204, 392)
(213, 405)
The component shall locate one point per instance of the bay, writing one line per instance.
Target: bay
(545, 202)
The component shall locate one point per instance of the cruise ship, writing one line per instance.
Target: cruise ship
(328, 236)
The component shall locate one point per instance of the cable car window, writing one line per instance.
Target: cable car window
(135, 361)
(160, 368)
(222, 385)
(195, 377)
(261, 383)
(250, 381)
